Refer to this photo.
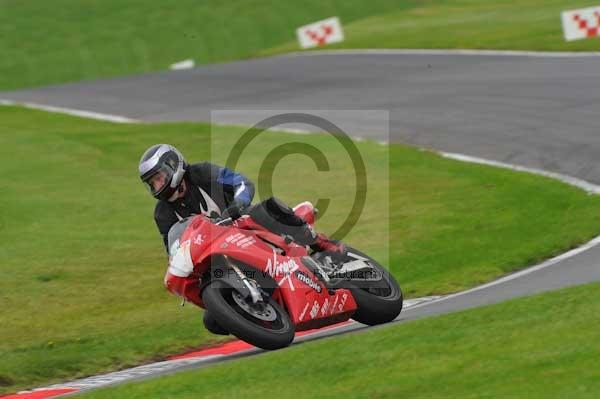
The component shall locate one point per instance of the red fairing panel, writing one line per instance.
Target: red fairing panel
(309, 303)
(305, 298)
(186, 287)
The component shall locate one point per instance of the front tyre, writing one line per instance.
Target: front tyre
(211, 324)
(265, 325)
(379, 299)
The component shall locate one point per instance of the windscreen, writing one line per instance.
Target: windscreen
(175, 232)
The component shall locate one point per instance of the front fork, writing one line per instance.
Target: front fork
(251, 285)
(239, 281)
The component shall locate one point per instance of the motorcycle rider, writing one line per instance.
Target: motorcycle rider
(184, 189)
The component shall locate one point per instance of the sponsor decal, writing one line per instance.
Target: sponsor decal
(199, 239)
(303, 311)
(308, 281)
(234, 238)
(246, 242)
(277, 268)
(325, 307)
(284, 268)
(241, 240)
(334, 303)
(342, 302)
(315, 310)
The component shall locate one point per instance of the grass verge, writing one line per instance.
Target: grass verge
(69, 40)
(82, 262)
(463, 24)
(537, 347)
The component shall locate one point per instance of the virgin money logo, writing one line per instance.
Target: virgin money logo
(308, 281)
(277, 268)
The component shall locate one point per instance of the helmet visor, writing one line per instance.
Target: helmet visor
(160, 179)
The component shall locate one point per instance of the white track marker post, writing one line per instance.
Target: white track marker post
(320, 33)
(186, 64)
(581, 24)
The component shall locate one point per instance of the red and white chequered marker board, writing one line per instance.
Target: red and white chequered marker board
(581, 24)
(320, 33)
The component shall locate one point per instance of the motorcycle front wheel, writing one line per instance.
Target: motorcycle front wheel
(265, 324)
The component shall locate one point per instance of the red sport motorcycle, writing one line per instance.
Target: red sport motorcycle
(262, 287)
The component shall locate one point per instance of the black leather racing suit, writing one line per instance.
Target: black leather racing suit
(213, 188)
(210, 188)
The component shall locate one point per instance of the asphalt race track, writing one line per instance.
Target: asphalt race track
(540, 112)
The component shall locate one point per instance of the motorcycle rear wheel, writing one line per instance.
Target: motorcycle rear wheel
(266, 326)
(378, 301)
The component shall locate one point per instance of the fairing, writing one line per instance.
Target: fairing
(306, 299)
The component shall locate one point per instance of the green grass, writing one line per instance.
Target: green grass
(82, 262)
(538, 347)
(70, 40)
(464, 24)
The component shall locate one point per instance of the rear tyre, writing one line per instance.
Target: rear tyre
(266, 325)
(378, 301)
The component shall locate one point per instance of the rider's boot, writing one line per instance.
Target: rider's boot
(328, 247)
